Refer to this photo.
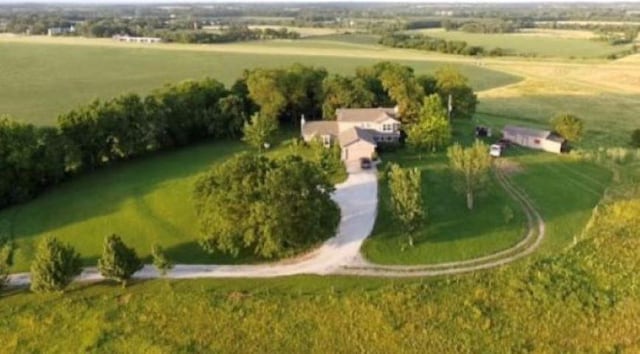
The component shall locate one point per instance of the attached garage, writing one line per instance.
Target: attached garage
(356, 143)
(357, 150)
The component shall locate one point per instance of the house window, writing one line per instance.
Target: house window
(536, 141)
(387, 127)
(326, 140)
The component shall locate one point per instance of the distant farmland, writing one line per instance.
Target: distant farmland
(41, 81)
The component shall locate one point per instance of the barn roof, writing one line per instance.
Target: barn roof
(536, 133)
(365, 114)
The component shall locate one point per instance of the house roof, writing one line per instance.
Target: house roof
(355, 134)
(535, 133)
(320, 127)
(365, 114)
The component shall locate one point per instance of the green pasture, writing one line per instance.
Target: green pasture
(452, 232)
(40, 81)
(531, 45)
(563, 189)
(609, 118)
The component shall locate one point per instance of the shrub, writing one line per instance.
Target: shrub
(118, 262)
(54, 267)
(160, 260)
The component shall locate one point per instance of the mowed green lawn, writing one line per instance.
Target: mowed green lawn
(145, 201)
(531, 44)
(40, 81)
(564, 190)
(452, 232)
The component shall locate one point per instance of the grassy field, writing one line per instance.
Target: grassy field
(564, 190)
(42, 81)
(581, 300)
(532, 44)
(445, 238)
(144, 201)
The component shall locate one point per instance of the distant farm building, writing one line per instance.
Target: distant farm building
(534, 138)
(131, 39)
(60, 31)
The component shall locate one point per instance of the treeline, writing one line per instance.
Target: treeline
(488, 26)
(129, 126)
(424, 42)
(614, 34)
(181, 32)
(91, 136)
(235, 33)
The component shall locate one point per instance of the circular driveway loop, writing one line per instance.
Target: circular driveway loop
(358, 201)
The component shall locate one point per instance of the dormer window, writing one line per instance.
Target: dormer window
(387, 127)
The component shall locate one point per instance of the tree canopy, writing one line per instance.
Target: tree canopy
(272, 208)
(568, 126)
(407, 205)
(432, 131)
(451, 83)
(470, 167)
(259, 131)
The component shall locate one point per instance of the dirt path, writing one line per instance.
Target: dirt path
(534, 235)
(358, 201)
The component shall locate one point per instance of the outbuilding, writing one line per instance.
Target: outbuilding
(535, 138)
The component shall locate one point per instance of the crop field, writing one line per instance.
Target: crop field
(60, 77)
(533, 44)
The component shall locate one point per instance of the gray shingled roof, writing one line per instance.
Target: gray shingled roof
(536, 133)
(365, 114)
(352, 135)
(320, 127)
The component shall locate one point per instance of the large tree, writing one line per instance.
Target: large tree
(118, 261)
(54, 267)
(432, 131)
(400, 84)
(269, 207)
(405, 185)
(568, 126)
(259, 132)
(287, 93)
(455, 92)
(344, 92)
(470, 167)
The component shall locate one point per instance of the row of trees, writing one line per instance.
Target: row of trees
(102, 132)
(56, 264)
(34, 158)
(433, 44)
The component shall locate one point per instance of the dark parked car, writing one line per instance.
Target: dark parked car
(365, 163)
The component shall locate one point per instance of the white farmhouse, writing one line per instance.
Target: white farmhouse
(534, 138)
(357, 130)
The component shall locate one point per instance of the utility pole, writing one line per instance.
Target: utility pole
(450, 106)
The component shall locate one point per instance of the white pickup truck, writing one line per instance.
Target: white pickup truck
(495, 150)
